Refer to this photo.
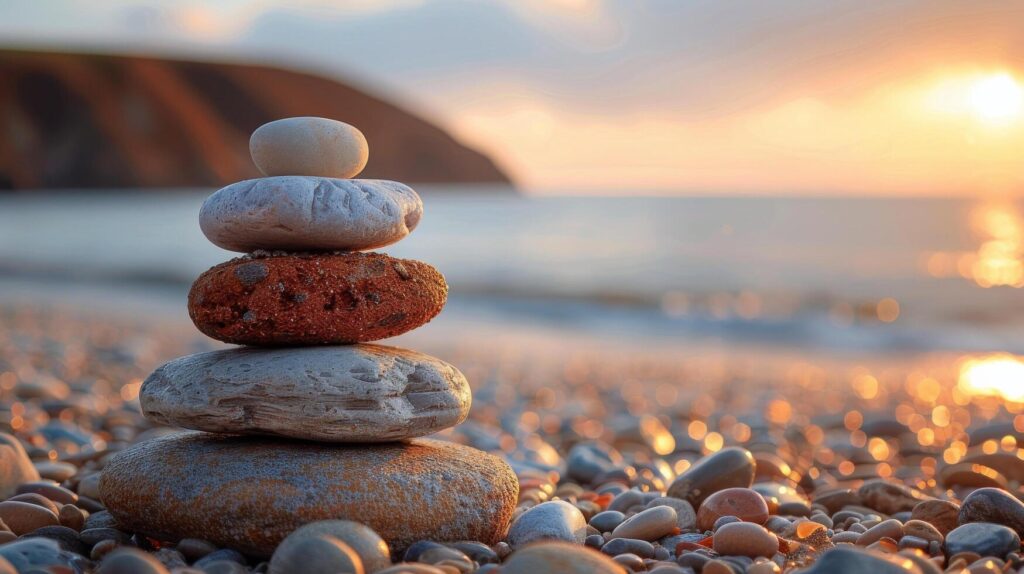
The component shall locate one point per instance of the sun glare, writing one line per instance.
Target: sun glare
(996, 375)
(997, 97)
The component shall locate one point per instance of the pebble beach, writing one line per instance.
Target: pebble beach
(623, 462)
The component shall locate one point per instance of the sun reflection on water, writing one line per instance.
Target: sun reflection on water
(998, 375)
(999, 259)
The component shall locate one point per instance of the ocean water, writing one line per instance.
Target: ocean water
(872, 274)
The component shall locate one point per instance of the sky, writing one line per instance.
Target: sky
(909, 97)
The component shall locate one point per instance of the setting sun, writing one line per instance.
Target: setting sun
(997, 97)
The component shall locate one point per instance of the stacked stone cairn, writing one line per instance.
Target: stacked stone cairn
(307, 422)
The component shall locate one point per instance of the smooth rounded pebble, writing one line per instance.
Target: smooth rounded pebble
(889, 497)
(984, 538)
(370, 548)
(551, 557)
(941, 514)
(24, 517)
(891, 528)
(321, 554)
(556, 519)
(650, 524)
(249, 493)
(358, 393)
(745, 539)
(309, 146)
(292, 300)
(130, 561)
(730, 467)
(852, 560)
(743, 503)
(310, 214)
(686, 518)
(29, 554)
(993, 505)
(15, 466)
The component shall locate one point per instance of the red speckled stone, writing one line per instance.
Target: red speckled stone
(322, 299)
(743, 503)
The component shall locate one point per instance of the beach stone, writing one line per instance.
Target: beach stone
(480, 553)
(130, 561)
(315, 554)
(24, 517)
(891, 528)
(92, 536)
(836, 499)
(52, 491)
(686, 518)
(15, 466)
(220, 555)
(37, 499)
(854, 560)
(370, 548)
(101, 519)
(650, 524)
(309, 146)
(745, 539)
(641, 548)
(922, 530)
(66, 537)
(71, 516)
(552, 557)
(555, 519)
(590, 459)
(56, 470)
(941, 514)
(310, 214)
(37, 553)
(412, 568)
(360, 393)
(983, 538)
(743, 503)
(969, 476)
(888, 497)
(248, 493)
(993, 505)
(315, 299)
(727, 468)
(608, 520)
(195, 548)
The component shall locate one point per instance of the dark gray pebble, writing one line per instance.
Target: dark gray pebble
(67, 538)
(91, 536)
(412, 553)
(476, 551)
(984, 538)
(993, 505)
(617, 546)
(607, 521)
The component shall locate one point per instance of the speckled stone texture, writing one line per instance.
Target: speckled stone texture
(249, 493)
(359, 393)
(299, 213)
(324, 299)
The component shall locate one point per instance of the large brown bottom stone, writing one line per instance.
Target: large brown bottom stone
(248, 493)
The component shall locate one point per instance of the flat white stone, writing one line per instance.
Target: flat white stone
(357, 393)
(309, 146)
(296, 213)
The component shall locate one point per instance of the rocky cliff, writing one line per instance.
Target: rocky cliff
(86, 121)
